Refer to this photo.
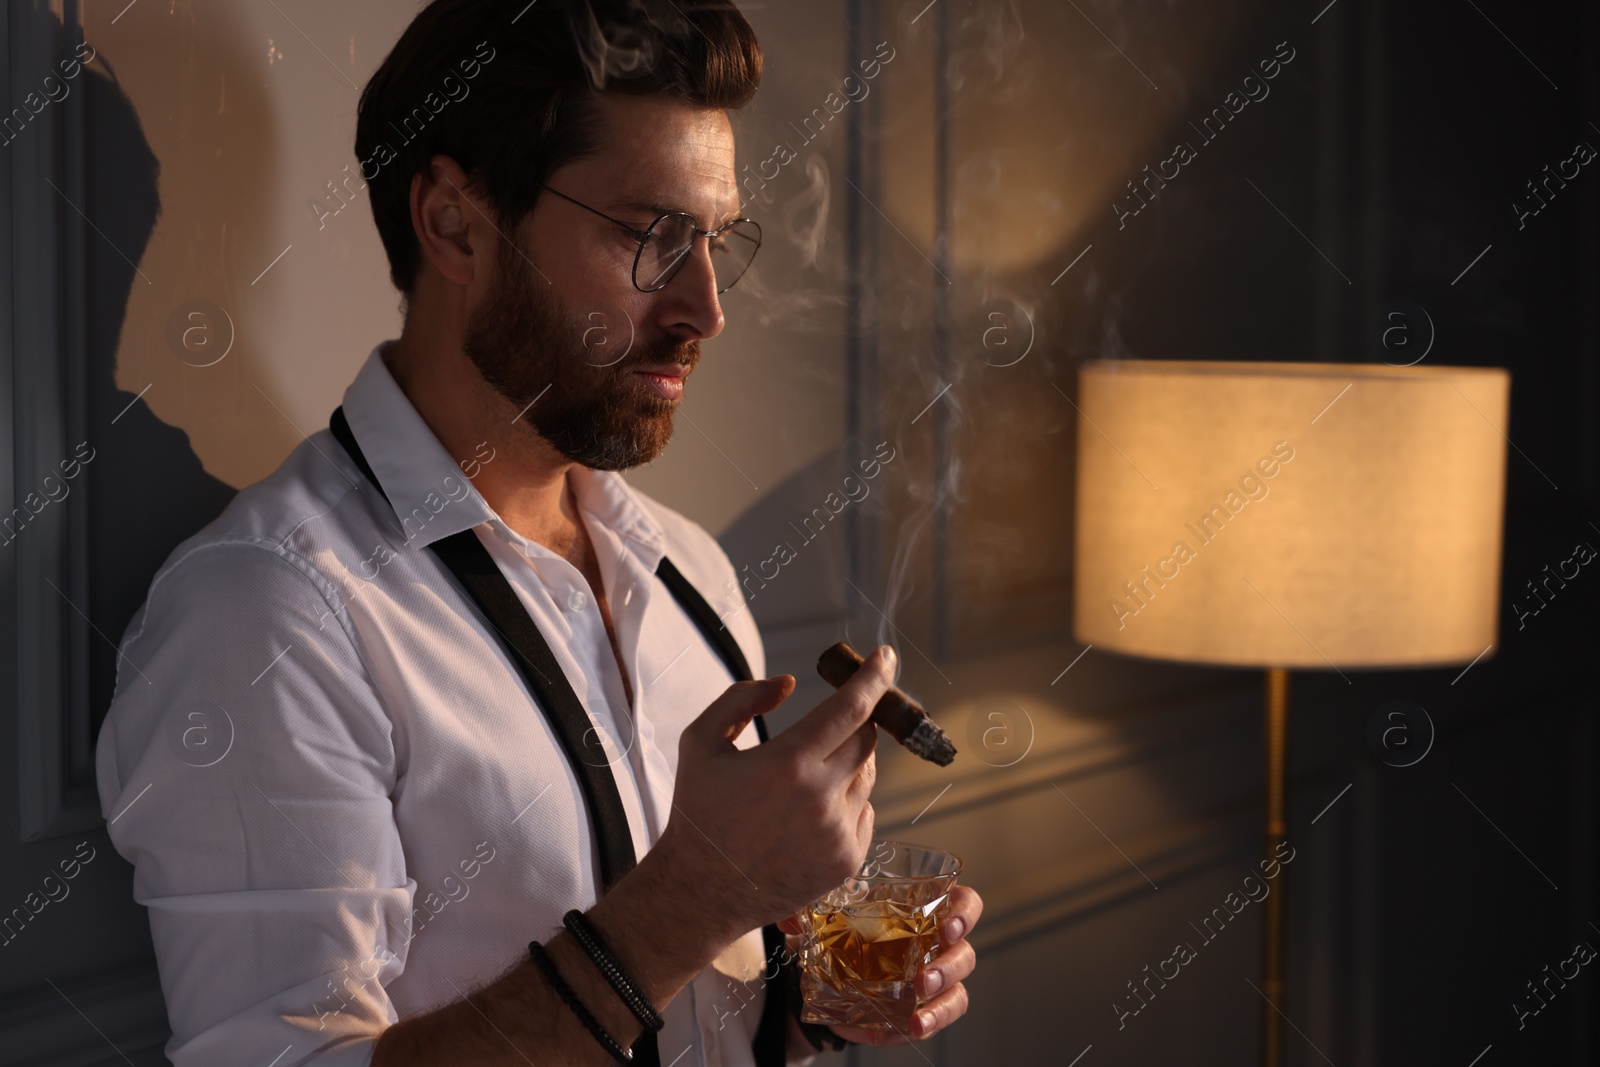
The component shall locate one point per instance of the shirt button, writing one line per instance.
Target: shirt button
(577, 600)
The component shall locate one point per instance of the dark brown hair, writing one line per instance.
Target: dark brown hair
(507, 89)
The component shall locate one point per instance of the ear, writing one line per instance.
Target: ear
(452, 226)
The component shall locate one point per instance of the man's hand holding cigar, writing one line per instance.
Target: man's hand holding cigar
(756, 834)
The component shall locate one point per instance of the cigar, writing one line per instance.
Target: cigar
(897, 713)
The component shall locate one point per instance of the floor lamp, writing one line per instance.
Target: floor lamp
(1289, 516)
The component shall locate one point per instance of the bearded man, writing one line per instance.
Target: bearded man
(493, 790)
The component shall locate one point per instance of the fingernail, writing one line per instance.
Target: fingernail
(925, 1018)
(954, 929)
(934, 982)
(888, 656)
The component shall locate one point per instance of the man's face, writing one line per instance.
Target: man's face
(562, 332)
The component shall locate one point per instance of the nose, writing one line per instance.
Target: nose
(689, 308)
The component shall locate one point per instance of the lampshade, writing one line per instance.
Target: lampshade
(1290, 514)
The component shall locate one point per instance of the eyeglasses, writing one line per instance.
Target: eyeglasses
(665, 246)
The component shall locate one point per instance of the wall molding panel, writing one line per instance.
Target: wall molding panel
(46, 638)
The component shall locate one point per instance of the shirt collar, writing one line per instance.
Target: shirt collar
(430, 495)
(612, 502)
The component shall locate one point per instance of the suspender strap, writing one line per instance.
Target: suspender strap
(464, 555)
(711, 626)
(472, 565)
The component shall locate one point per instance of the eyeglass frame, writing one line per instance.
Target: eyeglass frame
(643, 235)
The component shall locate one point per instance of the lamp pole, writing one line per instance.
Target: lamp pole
(1277, 831)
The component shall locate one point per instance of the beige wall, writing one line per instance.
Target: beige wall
(251, 110)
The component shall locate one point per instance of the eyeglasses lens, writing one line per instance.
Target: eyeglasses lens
(671, 241)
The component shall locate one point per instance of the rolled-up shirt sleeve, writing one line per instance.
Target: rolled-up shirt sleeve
(246, 769)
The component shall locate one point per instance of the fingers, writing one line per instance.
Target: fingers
(940, 1012)
(865, 824)
(856, 749)
(728, 715)
(866, 776)
(932, 1017)
(831, 723)
(965, 908)
(951, 967)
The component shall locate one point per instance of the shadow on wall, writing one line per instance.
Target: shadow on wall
(149, 488)
(791, 549)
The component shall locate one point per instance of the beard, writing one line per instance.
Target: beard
(532, 350)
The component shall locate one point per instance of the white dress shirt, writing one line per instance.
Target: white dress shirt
(340, 800)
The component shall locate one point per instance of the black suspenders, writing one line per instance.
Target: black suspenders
(464, 555)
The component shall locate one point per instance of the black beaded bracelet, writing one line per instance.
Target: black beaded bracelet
(553, 976)
(607, 964)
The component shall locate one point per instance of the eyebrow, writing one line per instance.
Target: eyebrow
(657, 209)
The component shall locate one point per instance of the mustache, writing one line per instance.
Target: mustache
(683, 353)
